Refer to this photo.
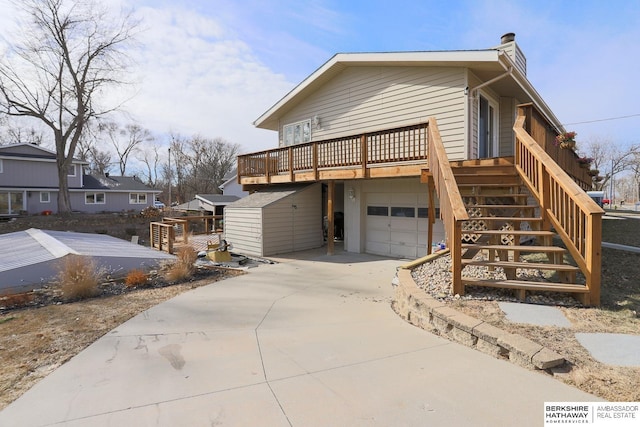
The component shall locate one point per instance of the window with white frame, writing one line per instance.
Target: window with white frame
(0, 165)
(45, 197)
(137, 198)
(296, 133)
(72, 170)
(94, 198)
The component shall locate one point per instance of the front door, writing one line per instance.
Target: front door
(487, 125)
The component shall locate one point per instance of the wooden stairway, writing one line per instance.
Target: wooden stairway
(506, 234)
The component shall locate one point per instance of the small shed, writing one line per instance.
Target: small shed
(276, 220)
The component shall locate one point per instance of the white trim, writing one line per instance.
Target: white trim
(95, 193)
(495, 105)
(138, 194)
(74, 170)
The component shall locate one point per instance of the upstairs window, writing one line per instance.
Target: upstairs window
(297, 133)
(72, 170)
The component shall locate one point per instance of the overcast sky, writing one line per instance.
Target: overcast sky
(211, 67)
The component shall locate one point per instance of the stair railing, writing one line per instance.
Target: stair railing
(452, 209)
(577, 219)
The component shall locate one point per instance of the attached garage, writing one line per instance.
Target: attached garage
(276, 220)
(395, 218)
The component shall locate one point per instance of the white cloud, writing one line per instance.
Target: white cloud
(194, 79)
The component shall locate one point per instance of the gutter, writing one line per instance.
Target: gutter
(474, 95)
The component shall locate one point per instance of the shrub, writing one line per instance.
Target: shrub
(78, 277)
(183, 267)
(136, 278)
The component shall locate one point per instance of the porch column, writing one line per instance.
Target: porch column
(331, 187)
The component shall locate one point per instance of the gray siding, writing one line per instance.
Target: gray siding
(362, 99)
(28, 174)
(114, 202)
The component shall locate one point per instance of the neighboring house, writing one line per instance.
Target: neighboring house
(361, 129)
(231, 186)
(29, 184)
(215, 203)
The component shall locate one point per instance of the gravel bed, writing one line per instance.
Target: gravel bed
(434, 277)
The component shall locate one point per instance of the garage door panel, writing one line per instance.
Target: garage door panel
(404, 251)
(404, 238)
(403, 224)
(378, 248)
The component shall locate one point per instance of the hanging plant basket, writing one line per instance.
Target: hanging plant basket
(598, 178)
(593, 172)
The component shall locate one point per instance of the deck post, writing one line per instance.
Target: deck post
(432, 213)
(331, 186)
(291, 176)
(363, 154)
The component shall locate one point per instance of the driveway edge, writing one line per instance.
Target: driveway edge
(419, 309)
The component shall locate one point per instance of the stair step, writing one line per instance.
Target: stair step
(494, 195)
(503, 206)
(511, 232)
(521, 248)
(511, 264)
(506, 218)
(483, 180)
(489, 185)
(523, 284)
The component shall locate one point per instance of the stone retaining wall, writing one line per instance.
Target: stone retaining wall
(415, 306)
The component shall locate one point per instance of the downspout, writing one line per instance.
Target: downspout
(474, 95)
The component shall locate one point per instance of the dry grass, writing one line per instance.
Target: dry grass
(78, 277)
(619, 313)
(183, 267)
(136, 278)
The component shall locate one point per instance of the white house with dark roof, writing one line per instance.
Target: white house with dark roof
(29, 185)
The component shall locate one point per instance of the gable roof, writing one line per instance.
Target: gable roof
(487, 64)
(30, 152)
(216, 199)
(265, 197)
(116, 183)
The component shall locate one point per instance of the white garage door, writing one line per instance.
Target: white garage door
(396, 224)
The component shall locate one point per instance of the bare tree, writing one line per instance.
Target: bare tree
(14, 134)
(149, 155)
(70, 52)
(200, 164)
(125, 140)
(609, 159)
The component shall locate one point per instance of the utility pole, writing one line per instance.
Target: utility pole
(611, 187)
(169, 204)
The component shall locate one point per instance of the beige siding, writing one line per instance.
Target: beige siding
(507, 119)
(278, 227)
(307, 223)
(243, 229)
(362, 99)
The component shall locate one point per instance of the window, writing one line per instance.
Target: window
(297, 133)
(94, 198)
(0, 165)
(406, 212)
(137, 198)
(72, 170)
(378, 210)
(424, 213)
(45, 197)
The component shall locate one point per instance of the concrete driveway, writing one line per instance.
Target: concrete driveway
(306, 342)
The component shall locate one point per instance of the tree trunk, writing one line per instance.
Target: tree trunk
(64, 201)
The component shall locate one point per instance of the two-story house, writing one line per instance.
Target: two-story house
(29, 185)
(396, 151)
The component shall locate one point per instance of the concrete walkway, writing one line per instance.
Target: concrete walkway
(306, 342)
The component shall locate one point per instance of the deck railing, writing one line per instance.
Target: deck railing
(404, 144)
(171, 231)
(452, 209)
(564, 205)
(545, 134)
